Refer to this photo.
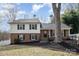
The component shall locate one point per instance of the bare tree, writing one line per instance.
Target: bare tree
(56, 9)
(11, 12)
(72, 6)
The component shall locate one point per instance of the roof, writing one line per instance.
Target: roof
(52, 26)
(34, 20)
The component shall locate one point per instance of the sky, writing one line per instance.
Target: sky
(27, 10)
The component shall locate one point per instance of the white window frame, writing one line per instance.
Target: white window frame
(21, 37)
(33, 27)
(33, 37)
(21, 27)
(66, 33)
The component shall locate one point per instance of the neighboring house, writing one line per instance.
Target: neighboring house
(29, 30)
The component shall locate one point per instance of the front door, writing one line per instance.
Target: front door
(45, 36)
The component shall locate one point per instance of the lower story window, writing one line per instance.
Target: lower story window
(33, 37)
(65, 33)
(21, 37)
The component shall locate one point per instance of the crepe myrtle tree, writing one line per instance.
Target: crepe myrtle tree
(56, 9)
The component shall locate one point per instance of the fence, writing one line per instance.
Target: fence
(4, 42)
(4, 38)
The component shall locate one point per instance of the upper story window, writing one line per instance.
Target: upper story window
(33, 26)
(21, 27)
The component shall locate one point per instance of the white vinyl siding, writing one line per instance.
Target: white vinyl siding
(13, 29)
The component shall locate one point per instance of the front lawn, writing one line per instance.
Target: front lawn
(28, 50)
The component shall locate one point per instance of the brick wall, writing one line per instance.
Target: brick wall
(26, 37)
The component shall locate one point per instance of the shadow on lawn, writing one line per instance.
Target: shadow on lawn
(32, 44)
(50, 46)
(65, 47)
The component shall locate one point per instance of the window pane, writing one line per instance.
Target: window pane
(35, 26)
(21, 37)
(20, 26)
(33, 37)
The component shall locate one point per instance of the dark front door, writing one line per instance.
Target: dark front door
(45, 35)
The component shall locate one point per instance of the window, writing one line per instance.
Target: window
(52, 33)
(33, 26)
(21, 27)
(65, 33)
(33, 37)
(21, 37)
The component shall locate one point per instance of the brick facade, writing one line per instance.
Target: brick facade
(40, 36)
(27, 38)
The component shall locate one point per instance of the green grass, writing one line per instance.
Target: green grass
(28, 50)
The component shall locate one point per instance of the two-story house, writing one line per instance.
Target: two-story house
(29, 30)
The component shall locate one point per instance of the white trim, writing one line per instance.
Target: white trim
(33, 37)
(21, 37)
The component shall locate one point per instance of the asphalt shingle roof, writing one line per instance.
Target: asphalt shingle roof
(52, 26)
(35, 20)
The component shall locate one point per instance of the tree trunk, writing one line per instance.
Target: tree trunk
(58, 34)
